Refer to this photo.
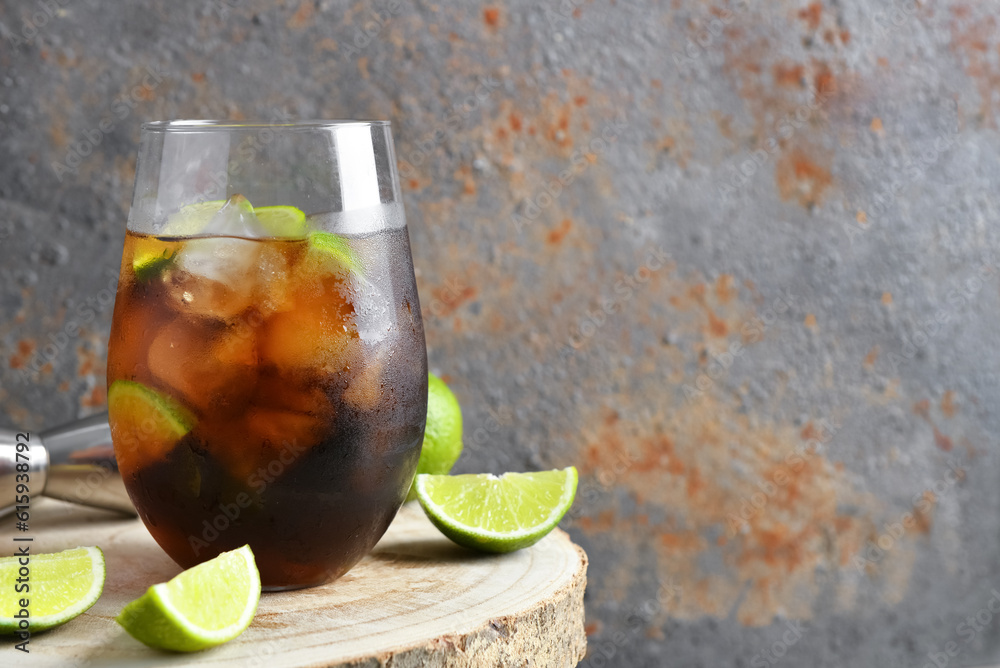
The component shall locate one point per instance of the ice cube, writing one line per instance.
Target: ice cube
(264, 441)
(275, 286)
(215, 277)
(212, 368)
(318, 336)
(235, 219)
(374, 314)
(366, 386)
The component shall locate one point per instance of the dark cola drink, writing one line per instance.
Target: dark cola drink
(270, 391)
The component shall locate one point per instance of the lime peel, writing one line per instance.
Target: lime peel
(282, 221)
(178, 615)
(54, 579)
(497, 513)
(442, 443)
(327, 246)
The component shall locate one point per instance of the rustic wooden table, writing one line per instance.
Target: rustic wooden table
(417, 600)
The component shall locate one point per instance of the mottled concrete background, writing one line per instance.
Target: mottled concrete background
(735, 261)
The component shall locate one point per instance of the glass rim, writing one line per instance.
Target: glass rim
(204, 125)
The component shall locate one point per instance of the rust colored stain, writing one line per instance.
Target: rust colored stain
(57, 135)
(491, 16)
(772, 550)
(724, 290)
(973, 41)
(716, 326)
(942, 441)
(725, 125)
(685, 540)
(810, 321)
(812, 15)
(948, 408)
(515, 121)
(580, 100)
(871, 357)
(887, 298)
(302, 16)
(876, 125)
(922, 513)
(25, 349)
(802, 170)
(861, 217)
(87, 360)
(557, 235)
(800, 178)
(96, 398)
(923, 409)
(464, 176)
(592, 628)
(198, 77)
(789, 74)
(451, 298)
(825, 82)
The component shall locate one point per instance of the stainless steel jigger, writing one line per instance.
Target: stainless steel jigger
(74, 462)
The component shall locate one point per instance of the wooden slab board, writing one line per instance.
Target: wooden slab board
(417, 601)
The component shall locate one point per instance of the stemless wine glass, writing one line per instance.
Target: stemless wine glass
(267, 373)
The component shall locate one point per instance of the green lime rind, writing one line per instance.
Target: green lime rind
(282, 221)
(147, 266)
(497, 513)
(174, 415)
(333, 249)
(62, 585)
(191, 219)
(205, 606)
(443, 434)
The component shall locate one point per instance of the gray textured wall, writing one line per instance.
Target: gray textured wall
(736, 263)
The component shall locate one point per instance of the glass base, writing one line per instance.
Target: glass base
(291, 587)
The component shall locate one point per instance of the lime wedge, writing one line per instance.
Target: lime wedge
(145, 424)
(443, 433)
(328, 249)
(282, 221)
(497, 513)
(204, 606)
(191, 219)
(60, 587)
(152, 256)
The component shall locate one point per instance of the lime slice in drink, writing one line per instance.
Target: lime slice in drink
(145, 424)
(204, 606)
(282, 221)
(330, 249)
(152, 256)
(61, 586)
(191, 219)
(443, 433)
(497, 513)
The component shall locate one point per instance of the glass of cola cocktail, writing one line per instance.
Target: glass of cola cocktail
(267, 373)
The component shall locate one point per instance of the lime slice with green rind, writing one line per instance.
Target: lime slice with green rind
(204, 606)
(61, 586)
(282, 221)
(497, 513)
(333, 250)
(151, 257)
(145, 423)
(191, 219)
(443, 433)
